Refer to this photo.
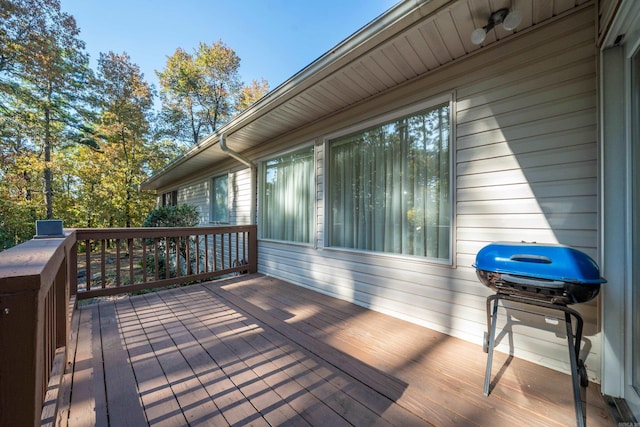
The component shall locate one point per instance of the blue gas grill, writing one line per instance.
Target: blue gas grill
(542, 275)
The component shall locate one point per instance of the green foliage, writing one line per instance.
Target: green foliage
(199, 91)
(76, 145)
(45, 80)
(126, 102)
(173, 216)
(251, 93)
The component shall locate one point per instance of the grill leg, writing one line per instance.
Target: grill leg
(492, 339)
(574, 349)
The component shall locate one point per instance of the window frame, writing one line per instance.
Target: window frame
(379, 120)
(262, 187)
(169, 198)
(212, 195)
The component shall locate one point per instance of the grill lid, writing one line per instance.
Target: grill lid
(542, 261)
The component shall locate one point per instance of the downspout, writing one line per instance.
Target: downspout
(248, 163)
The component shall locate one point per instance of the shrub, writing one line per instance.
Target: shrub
(173, 216)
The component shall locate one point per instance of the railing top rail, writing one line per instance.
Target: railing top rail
(33, 263)
(150, 232)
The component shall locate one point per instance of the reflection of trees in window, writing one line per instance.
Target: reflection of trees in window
(289, 197)
(389, 187)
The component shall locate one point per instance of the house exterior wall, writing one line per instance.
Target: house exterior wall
(525, 141)
(197, 192)
(525, 167)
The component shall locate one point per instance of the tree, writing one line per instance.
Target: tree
(251, 93)
(199, 91)
(126, 101)
(44, 80)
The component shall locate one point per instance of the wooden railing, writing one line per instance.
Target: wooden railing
(112, 261)
(34, 326)
(40, 279)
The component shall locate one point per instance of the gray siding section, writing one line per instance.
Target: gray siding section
(525, 169)
(240, 194)
(197, 193)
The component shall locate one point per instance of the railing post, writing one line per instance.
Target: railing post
(253, 250)
(21, 343)
(73, 268)
(33, 304)
(61, 305)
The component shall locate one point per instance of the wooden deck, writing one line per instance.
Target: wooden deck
(258, 351)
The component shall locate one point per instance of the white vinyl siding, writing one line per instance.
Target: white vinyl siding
(198, 194)
(525, 169)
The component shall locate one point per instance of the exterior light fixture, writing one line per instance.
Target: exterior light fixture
(509, 21)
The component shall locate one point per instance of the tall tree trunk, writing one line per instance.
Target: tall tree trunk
(48, 188)
(127, 207)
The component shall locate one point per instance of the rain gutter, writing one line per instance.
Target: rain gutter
(222, 141)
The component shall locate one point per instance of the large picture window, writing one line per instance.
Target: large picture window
(389, 187)
(288, 201)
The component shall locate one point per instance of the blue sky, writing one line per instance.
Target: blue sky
(273, 38)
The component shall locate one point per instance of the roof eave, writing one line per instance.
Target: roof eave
(396, 19)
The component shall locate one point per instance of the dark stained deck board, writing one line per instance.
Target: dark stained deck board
(141, 333)
(376, 389)
(194, 361)
(254, 350)
(290, 365)
(428, 405)
(123, 402)
(467, 368)
(98, 388)
(83, 410)
(203, 327)
(88, 405)
(262, 358)
(422, 357)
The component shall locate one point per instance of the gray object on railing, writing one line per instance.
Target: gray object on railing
(48, 228)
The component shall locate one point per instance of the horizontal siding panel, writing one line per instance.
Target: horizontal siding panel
(467, 251)
(523, 56)
(576, 238)
(584, 102)
(540, 129)
(587, 221)
(571, 137)
(505, 191)
(562, 205)
(541, 95)
(558, 156)
(196, 194)
(240, 197)
(551, 174)
(561, 65)
(381, 268)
